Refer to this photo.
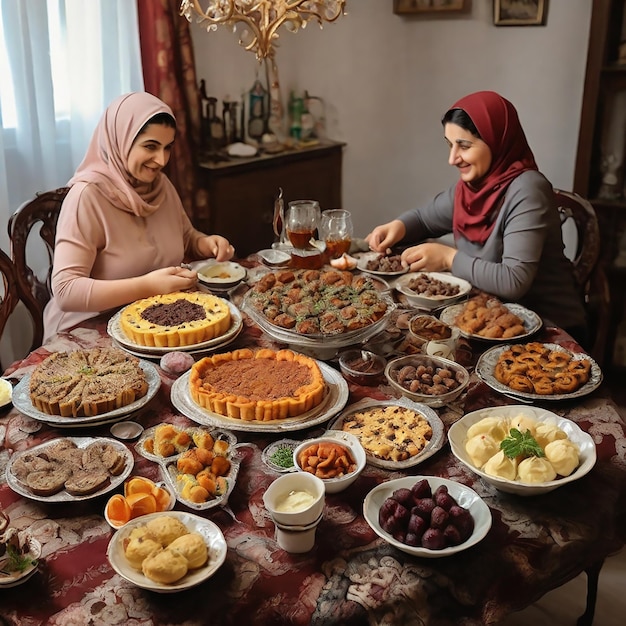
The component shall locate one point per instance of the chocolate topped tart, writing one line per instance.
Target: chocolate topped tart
(175, 319)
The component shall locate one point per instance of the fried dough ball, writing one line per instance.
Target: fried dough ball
(165, 566)
(140, 545)
(165, 529)
(193, 547)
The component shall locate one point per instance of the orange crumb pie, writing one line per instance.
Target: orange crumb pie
(175, 319)
(257, 385)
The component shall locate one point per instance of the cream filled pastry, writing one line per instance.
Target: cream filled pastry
(481, 448)
(501, 466)
(535, 469)
(563, 455)
(495, 427)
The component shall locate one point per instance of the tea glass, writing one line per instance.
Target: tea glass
(336, 230)
(301, 222)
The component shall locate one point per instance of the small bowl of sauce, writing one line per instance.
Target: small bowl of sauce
(362, 367)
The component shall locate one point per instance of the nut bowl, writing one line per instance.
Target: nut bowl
(334, 485)
(362, 367)
(457, 435)
(423, 369)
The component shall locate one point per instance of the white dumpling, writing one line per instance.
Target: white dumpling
(481, 448)
(535, 469)
(523, 423)
(501, 466)
(546, 432)
(564, 456)
(495, 427)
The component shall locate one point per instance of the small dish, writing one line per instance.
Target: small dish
(278, 455)
(6, 392)
(436, 301)
(219, 274)
(126, 430)
(362, 366)
(162, 485)
(334, 485)
(12, 579)
(274, 258)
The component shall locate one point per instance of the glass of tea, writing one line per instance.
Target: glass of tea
(336, 230)
(301, 222)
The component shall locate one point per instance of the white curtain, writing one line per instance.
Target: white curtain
(61, 63)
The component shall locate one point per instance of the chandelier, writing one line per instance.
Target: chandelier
(261, 19)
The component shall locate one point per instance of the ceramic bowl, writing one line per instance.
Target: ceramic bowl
(296, 481)
(457, 435)
(334, 485)
(219, 275)
(6, 392)
(422, 360)
(431, 302)
(362, 367)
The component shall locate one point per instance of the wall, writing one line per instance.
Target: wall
(387, 79)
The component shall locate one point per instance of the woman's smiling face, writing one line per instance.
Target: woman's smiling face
(471, 155)
(150, 152)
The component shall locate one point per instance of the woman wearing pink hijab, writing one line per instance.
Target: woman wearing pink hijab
(122, 232)
(507, 231)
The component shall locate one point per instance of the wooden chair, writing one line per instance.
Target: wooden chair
(588, 270)
(33, 291)
(8, 295)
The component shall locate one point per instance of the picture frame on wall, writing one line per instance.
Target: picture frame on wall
(430, 7)
(520, 12)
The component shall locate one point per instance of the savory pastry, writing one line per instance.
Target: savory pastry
(139, 545)
(563, 455)
(193, 547)
(501, 466)
(165, 566)
(546, 433)
(165, 528)
(496, 427)
(481, 448)
(535, 469)
(486, 316)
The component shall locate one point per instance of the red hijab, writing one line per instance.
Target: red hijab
(476, 206)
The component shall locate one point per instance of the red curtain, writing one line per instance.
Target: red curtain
(169, 73)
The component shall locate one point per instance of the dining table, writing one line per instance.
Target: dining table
(352, 576)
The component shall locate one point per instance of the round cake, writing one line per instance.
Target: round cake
(86, 382)
(175, 319)
(262, 385)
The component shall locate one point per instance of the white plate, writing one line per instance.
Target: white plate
(486, 365)
(532, 321)
(7, 388)
(115, 331)
(431, 302)
(335, 399)
(64, 496)
(457, 436)
(219, 274)
(210, 531)
(23, 403)
(17, 578)
(437, 439)
(363, 258)
(464, 496)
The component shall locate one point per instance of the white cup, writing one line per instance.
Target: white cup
(444, 348)
(295, 529)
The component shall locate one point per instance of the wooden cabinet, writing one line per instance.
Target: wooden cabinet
(242, 191)
(600, 173)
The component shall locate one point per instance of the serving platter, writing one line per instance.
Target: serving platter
(115, 331)
(23, 403)
(213, 536)
(532, 322)
(415, 298)
(464, 496)
(435, 444)
(486, 365)
(63, 496)
(334, 400)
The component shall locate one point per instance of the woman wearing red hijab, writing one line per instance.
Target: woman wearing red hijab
(506, 227)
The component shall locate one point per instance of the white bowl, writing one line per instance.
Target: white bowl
(274, 258)
(6, 392)
(334, 485)
(296, 481)
(431, 302)
(219, 274)
(464, 496)
(461, 375)
(457, 435)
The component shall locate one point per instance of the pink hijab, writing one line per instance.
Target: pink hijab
(476, 207)
(106, 161)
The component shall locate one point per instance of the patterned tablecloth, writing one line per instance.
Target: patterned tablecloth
(351, 576)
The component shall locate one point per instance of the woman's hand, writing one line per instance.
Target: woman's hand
(168, 279)
(386, 235)
(429, 257)
(216, 246)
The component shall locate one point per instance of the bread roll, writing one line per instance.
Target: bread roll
(193, 547)
(166, 529)
(165, 566)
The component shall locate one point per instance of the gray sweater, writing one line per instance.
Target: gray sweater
(523, 259)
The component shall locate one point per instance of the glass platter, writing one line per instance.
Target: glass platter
(437, 439)
(23, 403)
(115, 331)
(64, 496)
(334, 401)
(532, 322)
(485, 368)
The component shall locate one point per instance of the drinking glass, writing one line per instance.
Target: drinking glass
(302, 220)
(336, 230)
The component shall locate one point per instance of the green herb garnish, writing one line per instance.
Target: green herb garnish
(520, 444)
(16, 561)
(283, 457)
